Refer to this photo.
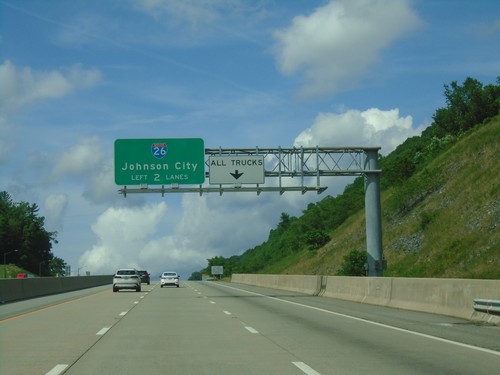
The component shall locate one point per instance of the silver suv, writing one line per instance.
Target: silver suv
(126, 278)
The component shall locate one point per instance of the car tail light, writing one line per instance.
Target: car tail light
(117, 277)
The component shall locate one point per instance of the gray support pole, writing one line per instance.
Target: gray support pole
(373, 215)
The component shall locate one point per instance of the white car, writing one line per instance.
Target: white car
(126, 278)
(169, 278)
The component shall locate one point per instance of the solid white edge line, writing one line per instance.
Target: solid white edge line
(306, 369)
(58, 369)
(484, 350)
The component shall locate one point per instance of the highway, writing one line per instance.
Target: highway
(215, 328)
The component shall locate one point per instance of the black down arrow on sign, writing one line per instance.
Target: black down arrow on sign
(236, 174)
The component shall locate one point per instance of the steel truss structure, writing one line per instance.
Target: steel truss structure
(308, 165)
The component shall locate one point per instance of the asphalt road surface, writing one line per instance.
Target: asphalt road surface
(214, 328)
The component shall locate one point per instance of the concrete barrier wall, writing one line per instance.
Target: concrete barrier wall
(302, 284)
(452, 297)
(18, 289)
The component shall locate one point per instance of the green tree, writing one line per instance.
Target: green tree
(316, 239)
(57, 267)
(354, 264)
(196, 276)
(218, 261)
(285, 221)
(468, 104)
(22, 229)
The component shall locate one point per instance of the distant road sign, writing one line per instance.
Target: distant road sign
(159, 161)
(236, 169)
(217, 270)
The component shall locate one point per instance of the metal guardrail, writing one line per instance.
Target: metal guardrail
(489, 306)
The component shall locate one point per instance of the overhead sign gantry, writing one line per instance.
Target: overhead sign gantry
(181, 165)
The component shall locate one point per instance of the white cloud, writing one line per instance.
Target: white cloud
(122, 234)
(216, 224)
(84, 157)
(180, 12)
(88, 161)
(55, 207)
(101, 186)
(196, 22)
(5, 140)
(371, 128)
(206, 226)
(20, 86)
(336, 45)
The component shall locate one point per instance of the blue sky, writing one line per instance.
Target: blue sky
(76, 75)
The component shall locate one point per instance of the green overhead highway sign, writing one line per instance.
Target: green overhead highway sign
(159, 161)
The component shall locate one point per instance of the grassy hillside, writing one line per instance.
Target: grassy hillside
(11, 271)
(440, 195)
(444, 221)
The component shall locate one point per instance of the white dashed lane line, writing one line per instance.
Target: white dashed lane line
(251, 330)
(103, 331)
(306, 369)
(58, 369)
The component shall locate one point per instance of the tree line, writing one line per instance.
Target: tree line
(467, 105)
(24, 237)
